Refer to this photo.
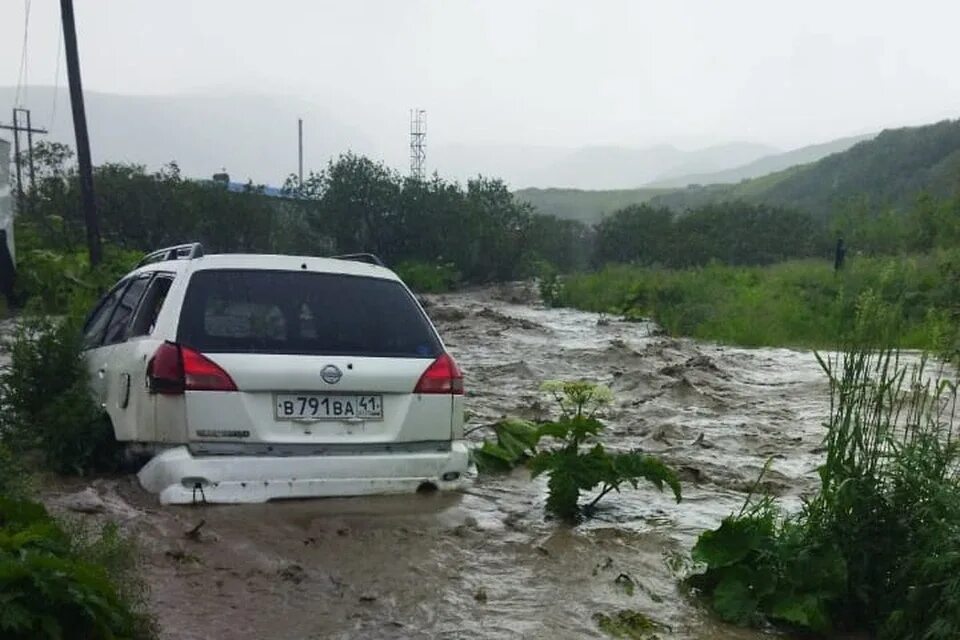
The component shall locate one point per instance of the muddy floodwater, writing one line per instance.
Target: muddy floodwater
(485, 563)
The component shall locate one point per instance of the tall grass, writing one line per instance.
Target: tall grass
(796, 303)
(880, 541)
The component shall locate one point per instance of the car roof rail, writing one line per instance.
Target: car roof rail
(187, 251)
(368, 258)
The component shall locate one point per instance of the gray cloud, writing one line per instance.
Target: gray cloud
(538, 73)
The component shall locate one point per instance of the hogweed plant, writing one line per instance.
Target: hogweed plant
(575, 461)
(578, 463)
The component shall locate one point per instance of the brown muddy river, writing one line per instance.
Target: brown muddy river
(485, 563)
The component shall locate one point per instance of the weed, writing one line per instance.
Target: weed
(571, 467)
(572, 470)
(45, 402)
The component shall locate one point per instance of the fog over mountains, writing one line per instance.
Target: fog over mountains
(253, 136)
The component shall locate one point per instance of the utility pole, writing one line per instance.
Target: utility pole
(21, 123)
(84, 163)
(300, 147)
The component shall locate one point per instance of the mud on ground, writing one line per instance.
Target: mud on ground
(485, 563)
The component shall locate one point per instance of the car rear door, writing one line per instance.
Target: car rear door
(130, 406)
(316, 358)
(117, 355)
(96, 354)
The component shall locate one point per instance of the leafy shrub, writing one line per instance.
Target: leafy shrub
(516, 440)
(424, 277)
(49, 590)
(45, 402)
(878, 548)
(759, 566)
(548, 283)
(573, 471)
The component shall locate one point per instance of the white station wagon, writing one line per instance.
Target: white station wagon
(249, 378)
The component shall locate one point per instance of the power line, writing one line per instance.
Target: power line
(22, 76)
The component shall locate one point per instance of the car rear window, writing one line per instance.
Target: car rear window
(292, 312)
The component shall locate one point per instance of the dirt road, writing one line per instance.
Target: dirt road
(485, 564)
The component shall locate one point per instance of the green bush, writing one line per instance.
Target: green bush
(878, 548)
(761, 567)
(424, 277)
(45, 402)
(49, 589)
(55, 282)
(548, 283)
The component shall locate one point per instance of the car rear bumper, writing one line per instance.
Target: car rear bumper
(179, 477)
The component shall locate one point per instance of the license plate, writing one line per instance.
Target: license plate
(305, 406)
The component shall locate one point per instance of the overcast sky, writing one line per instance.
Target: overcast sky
(546, 72)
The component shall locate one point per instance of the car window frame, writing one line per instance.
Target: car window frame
(120, 286)
(170, 277)
(148, 276)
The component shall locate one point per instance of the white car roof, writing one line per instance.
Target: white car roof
(274, 263)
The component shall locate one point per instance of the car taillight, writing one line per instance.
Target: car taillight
(442, 376)
(200, 373)
(165, 370)
(175, 369)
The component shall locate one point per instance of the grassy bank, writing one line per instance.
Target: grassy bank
(877, 548)
(796, 303)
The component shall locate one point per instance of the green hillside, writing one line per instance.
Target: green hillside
(888, 171)
(585, 206)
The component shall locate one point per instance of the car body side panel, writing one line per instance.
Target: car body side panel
(127, 402)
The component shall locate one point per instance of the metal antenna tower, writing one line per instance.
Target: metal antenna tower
(418, 149)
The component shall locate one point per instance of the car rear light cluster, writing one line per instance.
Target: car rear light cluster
(175, 369)
(442, 376)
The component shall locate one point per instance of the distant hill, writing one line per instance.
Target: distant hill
(585, 206)
(624, 167)
(888, 170)
(594, 167)
(765, 165)
(253, 136)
